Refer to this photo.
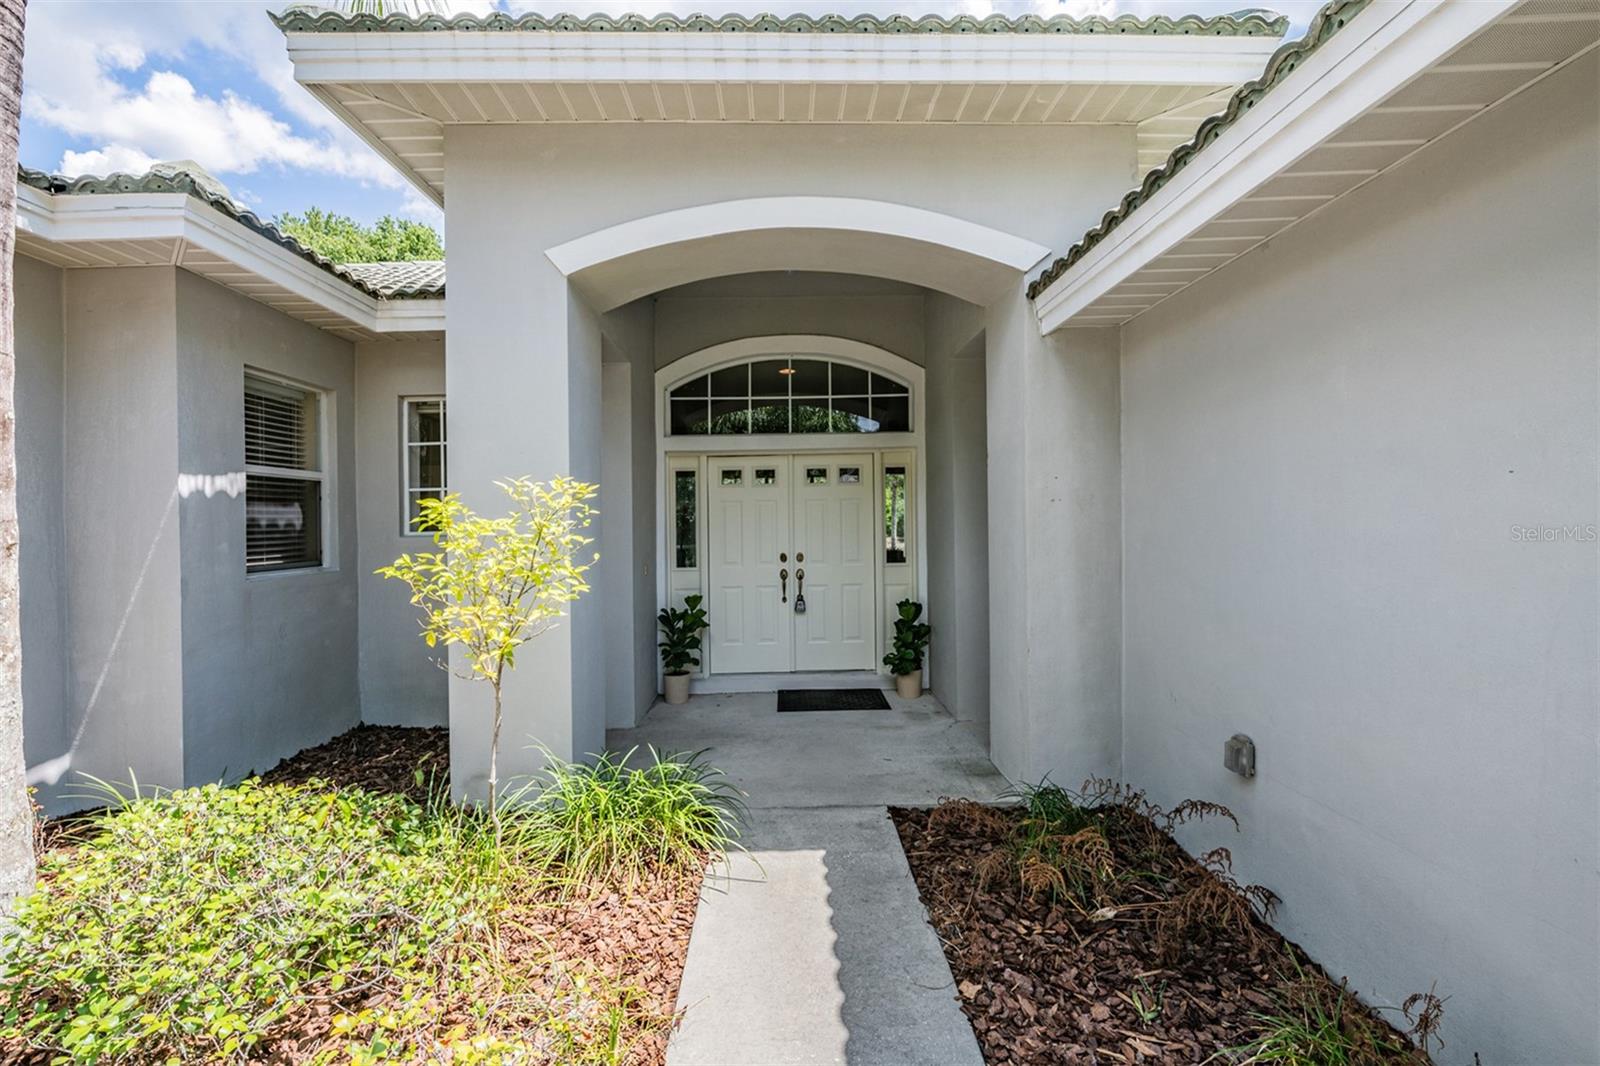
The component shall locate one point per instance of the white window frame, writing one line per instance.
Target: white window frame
(406, 443)
(323, 475)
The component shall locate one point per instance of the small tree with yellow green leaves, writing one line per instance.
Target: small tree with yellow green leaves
(497, 583)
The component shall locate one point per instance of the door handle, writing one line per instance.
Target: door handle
(783, 578)
(800, 590)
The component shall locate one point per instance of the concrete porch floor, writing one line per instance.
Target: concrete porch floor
(812, 946)
(907, 756)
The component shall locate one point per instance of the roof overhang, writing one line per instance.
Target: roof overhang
(1397, 77)
(399, 89)
(173, 229)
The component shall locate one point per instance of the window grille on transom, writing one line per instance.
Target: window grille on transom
(788, 395)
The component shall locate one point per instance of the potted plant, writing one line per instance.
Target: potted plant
(910, 642)
(680, 629)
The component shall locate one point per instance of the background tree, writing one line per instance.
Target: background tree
(497, 583)
(344, 240)
(16, 809)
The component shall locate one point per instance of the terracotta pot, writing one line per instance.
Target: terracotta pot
(677, 687)
(909, 686)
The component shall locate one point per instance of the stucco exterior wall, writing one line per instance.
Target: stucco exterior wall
(120, 515)
(269, 660)
(883, 313)
(400, 678)
(1329, 449)
(41, 453)
(956, 537)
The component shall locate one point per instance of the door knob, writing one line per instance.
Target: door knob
(783, 578)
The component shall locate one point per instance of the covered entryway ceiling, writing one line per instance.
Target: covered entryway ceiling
(400, 82)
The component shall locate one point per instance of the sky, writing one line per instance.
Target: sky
(114, 85)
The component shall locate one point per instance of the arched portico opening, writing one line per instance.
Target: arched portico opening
(799, 433)
(620, 263)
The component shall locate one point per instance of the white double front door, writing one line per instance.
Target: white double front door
(793, 568)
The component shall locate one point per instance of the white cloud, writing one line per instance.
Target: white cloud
(75, 52)
(111, 159)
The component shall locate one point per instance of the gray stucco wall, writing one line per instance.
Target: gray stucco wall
(1329, 448)
(120, 515)
(400, 677)
(872, 310)
(39, 399)
(956, 537)
(1055, 549)
(269, 660)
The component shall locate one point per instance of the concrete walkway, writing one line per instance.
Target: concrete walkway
(813, 947)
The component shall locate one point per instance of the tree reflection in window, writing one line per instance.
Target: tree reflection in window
(683, 525)
(894, 514)
(789, 395)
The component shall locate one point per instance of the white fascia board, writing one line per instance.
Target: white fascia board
(411, 316)
(457, 56)
(1381, 49)
(176, 216)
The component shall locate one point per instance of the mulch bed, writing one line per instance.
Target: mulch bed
(402, 760)
(1046, 981)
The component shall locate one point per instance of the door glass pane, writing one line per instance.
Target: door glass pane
(852, 414)
(882, 386)
(810, 377)
(849, 475)
(892, 413)
(731, 381)
(689, 417)
(683, 515)
(700, 386)
(811, 417)
(768, 377)
(734, 476)
(816, 475)
(766, 475)
(730, 416)
(894, 514)
(849, 380)
(769, 416)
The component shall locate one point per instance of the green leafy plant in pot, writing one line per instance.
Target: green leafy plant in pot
(910, 643)
(680, 645)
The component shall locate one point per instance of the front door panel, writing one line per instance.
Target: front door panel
(833, 543)
(748, 510)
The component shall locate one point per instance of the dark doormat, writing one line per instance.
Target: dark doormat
(831, 699)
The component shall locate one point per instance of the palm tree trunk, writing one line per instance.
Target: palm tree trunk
(16, 809)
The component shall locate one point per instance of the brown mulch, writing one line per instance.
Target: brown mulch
(404, 760)
(1047, 980)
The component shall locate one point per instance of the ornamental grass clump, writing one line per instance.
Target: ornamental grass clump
(193, 925)
(609, 824)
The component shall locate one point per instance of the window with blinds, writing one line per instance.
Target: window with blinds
(284, 479)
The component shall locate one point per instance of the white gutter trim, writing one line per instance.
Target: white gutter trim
(1379, 51)
(113, 217)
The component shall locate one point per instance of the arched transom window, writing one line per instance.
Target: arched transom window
(789, 395)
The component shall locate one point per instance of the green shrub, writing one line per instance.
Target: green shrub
(607, 823)
(190, 924)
